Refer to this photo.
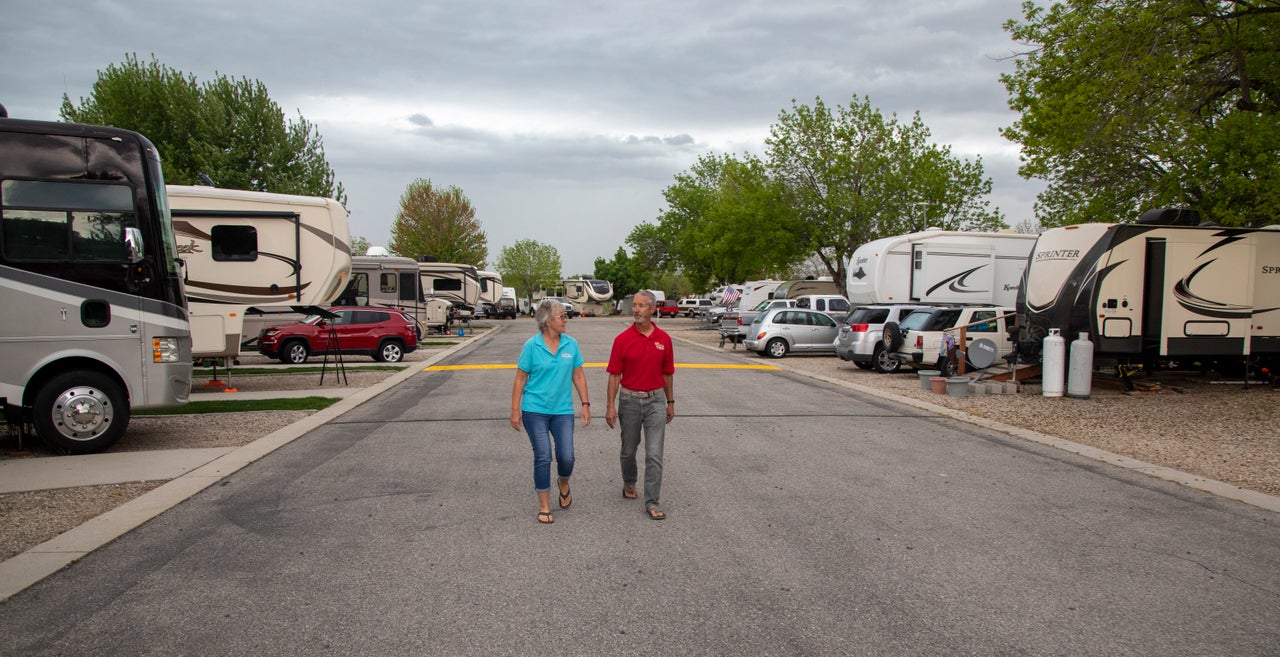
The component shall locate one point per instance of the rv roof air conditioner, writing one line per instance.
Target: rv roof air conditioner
(1170, 217)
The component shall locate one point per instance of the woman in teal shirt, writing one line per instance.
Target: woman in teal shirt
(550, 366)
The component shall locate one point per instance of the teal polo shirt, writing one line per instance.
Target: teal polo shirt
(550, 386)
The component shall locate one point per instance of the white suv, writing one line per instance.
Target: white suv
(691, 307)
(918, 340)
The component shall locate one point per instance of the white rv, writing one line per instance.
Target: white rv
(490, 292)
(393, 282)
(1162, 288)
(797, 288)
(939, 266)
(456, 283)
(590, 296)
(246, 249)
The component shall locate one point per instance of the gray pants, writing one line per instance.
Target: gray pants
(635, 414)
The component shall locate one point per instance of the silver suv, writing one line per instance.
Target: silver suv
(860, 331)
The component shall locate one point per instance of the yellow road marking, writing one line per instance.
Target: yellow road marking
(691, 366)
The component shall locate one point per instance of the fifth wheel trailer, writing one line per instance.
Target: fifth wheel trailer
(939, 266)
(1161, 289)
(246, 249)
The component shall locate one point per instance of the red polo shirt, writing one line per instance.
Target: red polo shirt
(641, 360)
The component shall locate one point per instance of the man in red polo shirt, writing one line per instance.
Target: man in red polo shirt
(640, 396)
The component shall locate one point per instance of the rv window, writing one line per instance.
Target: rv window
(234, 243)
(917, 260)
(448, 285)
(65, 221)
(387, 282)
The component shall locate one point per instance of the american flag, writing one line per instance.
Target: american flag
(730, 295)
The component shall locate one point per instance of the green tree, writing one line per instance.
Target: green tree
(359, 246)
(1133, 105)
(440, 223)
(227, 129)
(627, 275)
(855, 176)
(726, 219)
(529, 265)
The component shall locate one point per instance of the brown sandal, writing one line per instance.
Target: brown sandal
(629, 491)
(545, 518)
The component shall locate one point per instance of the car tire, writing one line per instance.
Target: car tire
(776, 348)
(100, 407)
(883, 360)
(861, 365)
(947, 366)
(294, 352)
(390, 351)
(892, 337)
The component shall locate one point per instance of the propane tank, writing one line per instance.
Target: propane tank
(1055, 362)
(1080, 371)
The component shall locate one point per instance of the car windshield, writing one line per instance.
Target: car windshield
(761, 306)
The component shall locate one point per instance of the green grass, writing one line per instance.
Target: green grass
(246, 405)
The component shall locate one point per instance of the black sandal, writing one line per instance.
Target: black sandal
(654, 513)
(567, 495)
(545, 518)
(629, 491)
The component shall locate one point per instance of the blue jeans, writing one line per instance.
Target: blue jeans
(648, 417)
(542, 429)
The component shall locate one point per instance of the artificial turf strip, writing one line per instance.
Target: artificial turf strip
(245, 406)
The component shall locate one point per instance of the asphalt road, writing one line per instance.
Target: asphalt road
(803, 519)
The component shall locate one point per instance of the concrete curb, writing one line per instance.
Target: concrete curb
(24, 570)
(1211, 486)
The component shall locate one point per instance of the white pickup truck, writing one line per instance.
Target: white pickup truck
(918, 340)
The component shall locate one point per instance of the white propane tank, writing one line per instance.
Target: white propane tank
(1055, 363)
(1080, 371)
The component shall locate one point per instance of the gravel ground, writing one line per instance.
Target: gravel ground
(1219, 431)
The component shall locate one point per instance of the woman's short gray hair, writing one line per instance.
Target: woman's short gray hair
(548, 309)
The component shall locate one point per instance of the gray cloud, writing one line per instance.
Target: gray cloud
(547, 115)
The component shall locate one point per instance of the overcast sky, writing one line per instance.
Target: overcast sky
(561, 121)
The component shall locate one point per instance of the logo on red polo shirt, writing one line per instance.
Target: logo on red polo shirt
(659, 346)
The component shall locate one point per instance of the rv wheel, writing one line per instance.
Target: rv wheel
(892, 337)
(295, 352)
(390, 352)
(81, 412)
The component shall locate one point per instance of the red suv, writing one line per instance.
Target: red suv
(385, 334)
(668, 308)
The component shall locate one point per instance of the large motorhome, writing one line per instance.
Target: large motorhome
(490, 291)
(456, 283)
(1162, 288)
(246, 249)
(95, 321)
(939, 266)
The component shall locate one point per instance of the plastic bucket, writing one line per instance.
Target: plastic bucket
(925, 375)
(461, 332)
(957, 386)
(938, 384)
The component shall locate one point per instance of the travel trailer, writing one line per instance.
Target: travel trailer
(793, 289)
(393, 282)
(939, 266)
(1161, 288)
(95, 320)
(590, 296)
(490, 292)
(456, 283)
(245, 249)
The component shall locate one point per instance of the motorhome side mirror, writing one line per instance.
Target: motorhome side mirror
(133, 241)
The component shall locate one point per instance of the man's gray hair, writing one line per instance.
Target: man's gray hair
(653, 298)
(548, 309)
